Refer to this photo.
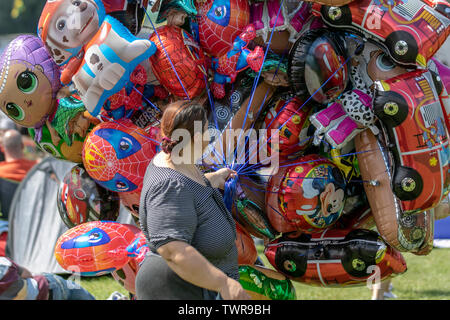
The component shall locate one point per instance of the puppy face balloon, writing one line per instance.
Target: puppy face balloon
(66, 26)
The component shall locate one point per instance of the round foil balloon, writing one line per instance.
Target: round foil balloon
(306, 195)
(317, 67)
(246, 248)
(116, 155)
(29, 82)
(81, 200)
(95, 248)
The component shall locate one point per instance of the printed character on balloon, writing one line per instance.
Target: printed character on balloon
(116, 154)
(98, 53)
(31, 95)
(309, 195)
(224, 33)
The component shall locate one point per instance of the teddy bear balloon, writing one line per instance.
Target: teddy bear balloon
(98, 53)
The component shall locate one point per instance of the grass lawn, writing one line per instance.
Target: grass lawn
(428, 277)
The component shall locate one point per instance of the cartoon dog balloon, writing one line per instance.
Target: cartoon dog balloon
(98, 52)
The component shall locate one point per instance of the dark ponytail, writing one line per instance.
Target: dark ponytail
(181, 115)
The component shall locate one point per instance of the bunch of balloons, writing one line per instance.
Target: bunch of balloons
(348, 90)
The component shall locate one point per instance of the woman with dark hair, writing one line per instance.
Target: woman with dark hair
(190, 232)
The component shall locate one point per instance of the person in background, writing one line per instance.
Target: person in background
(5, 125)
(16, 166)
(17, 283)
(383, 291)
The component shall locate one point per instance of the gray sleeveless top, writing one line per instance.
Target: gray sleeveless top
(175, 207)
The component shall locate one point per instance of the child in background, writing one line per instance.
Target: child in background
(17, 283)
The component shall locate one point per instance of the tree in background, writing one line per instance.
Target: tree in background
(18, 9)
(20, 16)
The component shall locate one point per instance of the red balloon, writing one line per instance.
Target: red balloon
(290, 117)
(246, 248)
(334, 257)
(116, 155)
(81, 200)
(96, 247)
(126, 276)
(175, 51)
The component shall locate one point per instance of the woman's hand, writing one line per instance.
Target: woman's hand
(233, 290)
(218, 178)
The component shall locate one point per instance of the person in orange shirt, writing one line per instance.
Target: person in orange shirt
(16, 166)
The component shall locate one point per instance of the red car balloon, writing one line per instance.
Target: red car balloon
(335, 257)
(306, 195)
(411, 31)
(410, 109)
(116, 155)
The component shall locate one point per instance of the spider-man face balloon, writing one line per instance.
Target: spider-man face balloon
(220, 22)
(116, 155)
(81, 200)
(96, 247)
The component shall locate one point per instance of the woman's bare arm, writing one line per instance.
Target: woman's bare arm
(193, 267)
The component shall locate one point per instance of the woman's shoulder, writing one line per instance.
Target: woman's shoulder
(163, 179)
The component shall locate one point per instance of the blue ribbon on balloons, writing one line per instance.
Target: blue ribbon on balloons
(229, 192)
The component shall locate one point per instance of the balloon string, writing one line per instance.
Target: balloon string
(168, 57)
(265, 97)
(253, 167)
(147, 100)
(290, 164)
(211, 102)
(141, 108)
(280, 214)
(255, 82)
(339, 156)
(330, 77)
(298, 178)
(259, 111)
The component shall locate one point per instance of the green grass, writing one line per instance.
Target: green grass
(102, 287)
(428, 277)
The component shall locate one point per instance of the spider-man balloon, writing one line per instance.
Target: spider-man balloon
(97, 247)
(224, 32)
(116, 155)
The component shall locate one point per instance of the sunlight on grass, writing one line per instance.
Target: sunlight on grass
(427, 277)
